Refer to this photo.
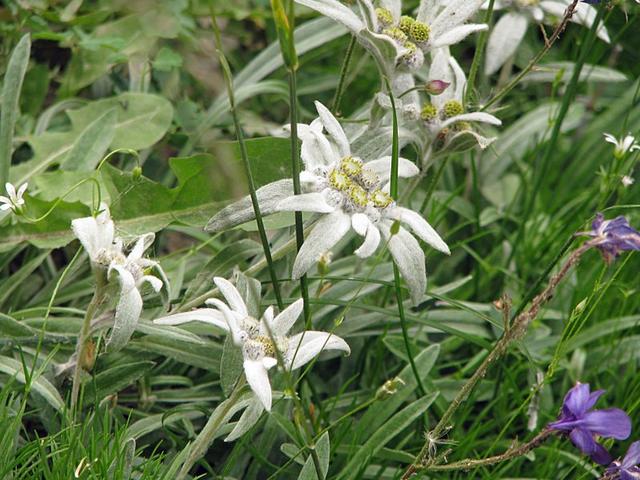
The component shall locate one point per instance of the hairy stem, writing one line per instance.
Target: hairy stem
(81, 347)
(514, 332)
(205, 438)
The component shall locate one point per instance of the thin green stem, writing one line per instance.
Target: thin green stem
(477, 58)
(81, 347)
(337, 98)
(548, 44)
(205, 438)
(393, 189)
(245, 160)
(567, 98)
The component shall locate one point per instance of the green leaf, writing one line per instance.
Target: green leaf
(230, 366)
(90, 147)
(13, 328)
(40, 384)
(142, 120)
(11, 88)
(159, 421)
(384, 435)
(323, 450)
(139, 205)
(114, 379)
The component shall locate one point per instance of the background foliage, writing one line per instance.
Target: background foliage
(141, 76)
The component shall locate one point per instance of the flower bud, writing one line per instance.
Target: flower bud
(136, 173)
(389, 388)
(436, 87)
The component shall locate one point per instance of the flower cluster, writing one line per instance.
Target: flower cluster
(612, 236)
(14, 200)
(132, 270)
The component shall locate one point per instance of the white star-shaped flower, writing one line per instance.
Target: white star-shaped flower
(13, 201)
(623, 145)
(509, 30)
(260, 340)
(132, 271)
(353, 194)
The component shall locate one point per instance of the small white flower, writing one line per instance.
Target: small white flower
(132, 271)
(627, 181)
(13, 200)
(510, 29)
(261, 339)
(623, 145)
(353, 194)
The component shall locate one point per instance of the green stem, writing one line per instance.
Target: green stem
(555, 133)
(205, 438)
(548, 44)
(245, 160)
(92, 308)
(512, 332)
(393, 189)
(335, 105)
(477, 58)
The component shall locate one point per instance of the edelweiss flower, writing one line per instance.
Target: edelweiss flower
(583, 423)
(627, 181)
(97, 235)
(508, 32)
(13, 200)
(623, 145)
(350, 193)
(354, 194)
(261, 339)
(444, 115)
(402, 41)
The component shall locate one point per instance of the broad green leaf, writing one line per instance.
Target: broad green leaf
(40, 384)
(92, 144)
(140, 205)
(11, 87)
(114, 379)
(142, 120)
(13, 328)
(384, 435)
(323, 450)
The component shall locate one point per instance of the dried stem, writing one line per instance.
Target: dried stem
(515, 331)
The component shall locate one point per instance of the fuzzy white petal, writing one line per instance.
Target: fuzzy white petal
(457, 34)
(305, 346)
(371, 242)
(481, 117)
(248, 419)
(382, 166)
(334, 129)
(231, 294)
(325, 234)
(420, 227)
(128, 309)
(337, 11)
(258, 380)
(409, 257)
(305, 202)
(205, 315)
(286, 319)
(504, 40)
(456, 13)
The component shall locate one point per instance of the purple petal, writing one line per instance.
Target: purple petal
(597, 222)
(593, 398)
(629, 474)
(563, 425)
(632, 458)
(576, 400)
(600, 455)
(583, 440)
(610, 423)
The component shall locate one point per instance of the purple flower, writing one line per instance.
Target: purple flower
(612, 236)
(627, 469)
(583, 424)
